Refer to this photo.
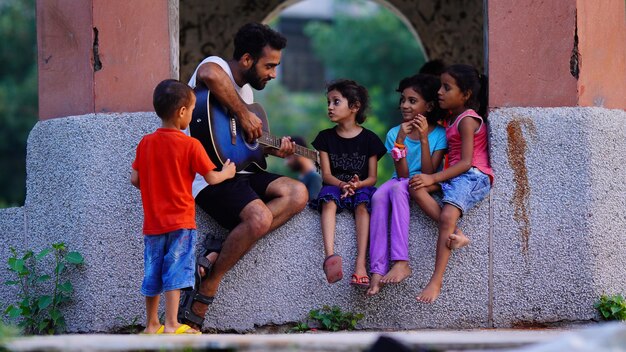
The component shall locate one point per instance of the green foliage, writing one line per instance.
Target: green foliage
(129, 326)
(41, 313)
(611, 307)
(330, 319)
(377, 51)
(6, 333)
(18, 95)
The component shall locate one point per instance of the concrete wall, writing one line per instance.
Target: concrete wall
(545, 245)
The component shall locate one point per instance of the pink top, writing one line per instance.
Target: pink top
(480, 159)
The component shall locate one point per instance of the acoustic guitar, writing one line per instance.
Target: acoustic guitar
(223, 137)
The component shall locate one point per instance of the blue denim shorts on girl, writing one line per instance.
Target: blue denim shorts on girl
(466, 190)
(333, 193)
(169, 261)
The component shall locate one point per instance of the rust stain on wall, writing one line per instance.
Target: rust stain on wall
(516, 153)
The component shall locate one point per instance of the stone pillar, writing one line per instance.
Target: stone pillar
(104, 55)
(548, 53)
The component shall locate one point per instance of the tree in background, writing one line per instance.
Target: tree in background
(18, 95)
(377, 51)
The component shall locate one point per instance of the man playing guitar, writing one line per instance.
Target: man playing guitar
(254, 202)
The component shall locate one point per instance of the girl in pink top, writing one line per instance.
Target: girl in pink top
(467, 180)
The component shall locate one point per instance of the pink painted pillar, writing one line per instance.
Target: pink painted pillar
(104, 55)
(534, 59)
(602, 47)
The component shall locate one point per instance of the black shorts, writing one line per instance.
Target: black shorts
(225, 201)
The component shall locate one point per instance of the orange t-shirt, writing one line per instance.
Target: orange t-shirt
(167, 162)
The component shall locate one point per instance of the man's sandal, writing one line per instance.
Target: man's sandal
(192, 294)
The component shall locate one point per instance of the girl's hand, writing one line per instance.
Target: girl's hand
(421, 124)
(346, 190)
(405, 129)
(355, 182)
(421, 180)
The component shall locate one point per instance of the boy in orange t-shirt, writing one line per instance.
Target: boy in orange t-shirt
(167, 161)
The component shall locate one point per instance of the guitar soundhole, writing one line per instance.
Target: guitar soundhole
(252, 146)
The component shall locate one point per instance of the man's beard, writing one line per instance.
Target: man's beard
(252, 77)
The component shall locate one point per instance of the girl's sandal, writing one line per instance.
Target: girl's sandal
(360, 281)
(333, 268)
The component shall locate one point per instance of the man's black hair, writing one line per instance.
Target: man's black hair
(253, 37)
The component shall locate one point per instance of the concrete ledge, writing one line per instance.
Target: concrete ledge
(558, 212)
(545, 245)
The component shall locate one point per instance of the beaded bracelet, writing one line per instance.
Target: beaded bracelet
(398, 153)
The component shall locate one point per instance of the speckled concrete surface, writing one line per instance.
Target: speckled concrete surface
(78, 192)
(12, 233)
(559, 210)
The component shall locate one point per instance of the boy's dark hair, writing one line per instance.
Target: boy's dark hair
(469, 79)
(253, 37)
(169, 96)
(426, 86)
(354, 93)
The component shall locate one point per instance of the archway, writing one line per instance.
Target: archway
(449, 30)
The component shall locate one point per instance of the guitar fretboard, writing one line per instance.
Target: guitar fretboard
(274, 142)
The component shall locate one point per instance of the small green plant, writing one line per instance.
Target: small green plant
(611, 307)
(301, 327)
(329, 318)
(40, 313)
(129, 326)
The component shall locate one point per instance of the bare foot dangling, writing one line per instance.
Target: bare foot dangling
(430, 293)
(375, 285)
(400, 271)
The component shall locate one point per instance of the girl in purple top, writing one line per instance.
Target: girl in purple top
(467, 180)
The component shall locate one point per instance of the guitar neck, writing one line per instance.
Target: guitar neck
(274, 142)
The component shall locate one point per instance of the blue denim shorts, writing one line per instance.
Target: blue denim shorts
(466, 190)
(333, 193)
(169, 261)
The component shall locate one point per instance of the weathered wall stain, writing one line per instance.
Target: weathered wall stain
(516, 152)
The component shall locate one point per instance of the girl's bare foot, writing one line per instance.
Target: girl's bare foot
(400, 271)
(375, 285)
(456, 241)
(430, 293)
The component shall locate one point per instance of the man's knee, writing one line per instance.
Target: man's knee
(258, 218)
(299, 194)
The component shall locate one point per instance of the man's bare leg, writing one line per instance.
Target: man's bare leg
(256, 219)
(289, 197)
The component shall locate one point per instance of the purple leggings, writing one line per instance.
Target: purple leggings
(392, 197)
